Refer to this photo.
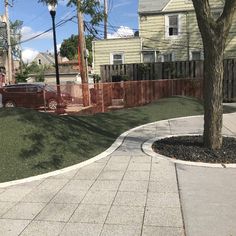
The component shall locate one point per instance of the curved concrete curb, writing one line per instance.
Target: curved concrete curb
(147, 148)
(107, 152)
(118, 142)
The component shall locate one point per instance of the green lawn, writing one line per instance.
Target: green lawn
(33, 143)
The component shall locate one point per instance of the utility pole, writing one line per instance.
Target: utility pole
(105, 18)
(81, 56)
(9, 55)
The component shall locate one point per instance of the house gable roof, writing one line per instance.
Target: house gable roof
(47, 57)
(150, 6)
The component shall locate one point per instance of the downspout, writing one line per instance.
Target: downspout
(141, 49)
(188, 37)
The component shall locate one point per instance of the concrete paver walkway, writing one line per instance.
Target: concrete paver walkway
(127, 193)
(208, 195)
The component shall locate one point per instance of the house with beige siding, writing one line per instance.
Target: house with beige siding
(168, 31)
(116, 51)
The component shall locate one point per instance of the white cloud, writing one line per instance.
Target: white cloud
(63, 2)
(122, 4)
(29, 54)
(27, 33)
(122, 32)
(58, 49)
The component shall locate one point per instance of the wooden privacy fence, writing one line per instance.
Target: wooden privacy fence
(152, 71)
(170, 70)
(229, 82)
(137, 93)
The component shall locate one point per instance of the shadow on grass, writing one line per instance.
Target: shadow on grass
(37, 146)
(55, 162)
(229, 109)
(54, 142)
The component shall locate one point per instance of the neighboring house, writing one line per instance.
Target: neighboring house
(168, 31)
(69, 73)
(116, 51)
(44, 58)
(47, 59)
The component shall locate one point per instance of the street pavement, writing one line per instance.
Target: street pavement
(128, 193)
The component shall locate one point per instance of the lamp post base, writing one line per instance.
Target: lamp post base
(60, 108)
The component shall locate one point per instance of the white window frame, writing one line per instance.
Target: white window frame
(191, 54)
(117, 53)
(153, 51)
(166, 53)
(167, 26)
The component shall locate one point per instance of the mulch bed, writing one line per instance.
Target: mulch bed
(190, 148)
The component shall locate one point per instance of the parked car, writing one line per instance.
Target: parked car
(32, 96)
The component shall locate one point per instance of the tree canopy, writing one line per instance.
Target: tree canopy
(69, 47)
(16, 36)
(32, 68)
(91, 8)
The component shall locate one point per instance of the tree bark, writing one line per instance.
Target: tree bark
(214, 34)
(213, 98)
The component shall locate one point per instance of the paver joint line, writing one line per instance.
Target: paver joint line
(106, 193)
(180, 200)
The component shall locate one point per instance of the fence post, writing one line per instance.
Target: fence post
(1, 105)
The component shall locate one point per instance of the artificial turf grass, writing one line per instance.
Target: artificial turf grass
(33, 143)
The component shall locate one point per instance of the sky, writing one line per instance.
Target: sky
(123, 19)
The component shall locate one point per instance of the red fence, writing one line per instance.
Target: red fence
(137, 93)
(103, 96)
(170, 70)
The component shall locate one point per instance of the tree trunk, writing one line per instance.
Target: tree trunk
(213, 98)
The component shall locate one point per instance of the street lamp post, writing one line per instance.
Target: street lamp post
(60, 106)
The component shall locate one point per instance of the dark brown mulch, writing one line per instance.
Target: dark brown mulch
(190, 148)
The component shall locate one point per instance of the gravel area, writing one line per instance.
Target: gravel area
(190, 148)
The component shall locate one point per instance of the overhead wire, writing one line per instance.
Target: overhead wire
(113, 28)
(60, 23)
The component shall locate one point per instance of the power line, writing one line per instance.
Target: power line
(110, 26)
(110, 5)
(173, 45)
(60, 23)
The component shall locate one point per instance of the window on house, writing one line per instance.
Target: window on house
(173, 25)
(149, 57)
(196, 55)
(117, 58)
(167, 57)
(40, 62)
